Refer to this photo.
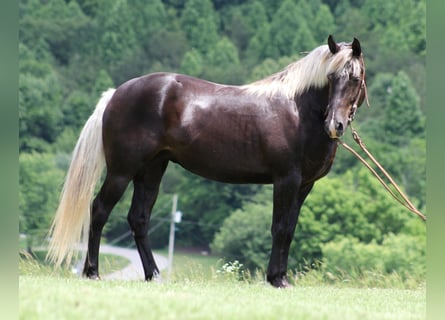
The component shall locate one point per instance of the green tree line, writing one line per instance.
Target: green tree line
(72, 50)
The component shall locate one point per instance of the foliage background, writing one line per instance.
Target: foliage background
(70, 51)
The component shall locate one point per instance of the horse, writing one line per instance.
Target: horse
(280, 130)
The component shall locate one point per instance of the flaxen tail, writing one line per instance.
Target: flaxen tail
(72, 219)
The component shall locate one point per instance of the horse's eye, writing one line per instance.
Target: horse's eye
(354, 79)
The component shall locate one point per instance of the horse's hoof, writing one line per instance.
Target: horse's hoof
(155, 276)
(92, 276)
(281, 283)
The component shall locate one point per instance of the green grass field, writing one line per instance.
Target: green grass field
(46, 297)
(37, 265)
(197, 292)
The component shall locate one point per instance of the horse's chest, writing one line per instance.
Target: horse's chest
(317, 161)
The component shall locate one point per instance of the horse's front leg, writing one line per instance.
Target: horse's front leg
(288, 197)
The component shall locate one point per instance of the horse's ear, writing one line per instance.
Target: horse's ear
(356, 48)
(332, 45)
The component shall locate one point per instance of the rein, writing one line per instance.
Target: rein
(401, 197)
(404, 199)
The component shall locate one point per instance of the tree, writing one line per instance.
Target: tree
(77, 108)
(224, 57)
(166, 47)
(117, 37)
(40, 98)
(236, 27)
(198, 21)
(413, 169)
(324, 24)
(270, 66)
(403, 118)
(242, 22)
(91, 7)
(102, 83)
(417, 27)
(401, 26)
(62, 25)
(147, 18)
(39, 181)
(289, 31)
(257, 49)
(192, 63)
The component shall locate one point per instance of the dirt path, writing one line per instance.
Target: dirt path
(134, 270)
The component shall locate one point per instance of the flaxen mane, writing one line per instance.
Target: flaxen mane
(310, 71)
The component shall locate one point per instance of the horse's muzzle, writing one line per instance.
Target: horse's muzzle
(334, 128)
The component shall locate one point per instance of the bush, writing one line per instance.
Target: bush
(40, 181)
(401, 254)
(353, 206)
(245, 236)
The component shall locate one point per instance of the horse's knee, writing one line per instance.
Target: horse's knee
(282, 233)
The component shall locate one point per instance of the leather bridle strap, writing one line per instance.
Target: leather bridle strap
(362, 87)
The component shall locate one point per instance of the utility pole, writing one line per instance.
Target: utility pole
(171, 241)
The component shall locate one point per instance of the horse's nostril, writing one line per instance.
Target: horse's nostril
(339, 127)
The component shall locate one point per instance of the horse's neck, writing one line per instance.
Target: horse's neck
(312, 106)
(317, 149)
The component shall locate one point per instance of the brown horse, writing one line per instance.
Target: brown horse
(280, 130)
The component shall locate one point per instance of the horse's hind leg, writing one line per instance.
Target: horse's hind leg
(146, 187)
(110, 193)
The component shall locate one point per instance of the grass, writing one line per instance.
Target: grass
(36, 264)
(196, 291)
(45, 297)
(193, 265)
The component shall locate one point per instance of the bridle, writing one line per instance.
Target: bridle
(359, 94)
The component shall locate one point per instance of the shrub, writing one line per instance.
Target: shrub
(401, 254)
(245, 235)
(342, 218)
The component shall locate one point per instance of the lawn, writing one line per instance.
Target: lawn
(197, 291)
(46, 297)
(187, 265)
(36, 264)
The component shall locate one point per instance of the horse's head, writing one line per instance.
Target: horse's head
(346, 76)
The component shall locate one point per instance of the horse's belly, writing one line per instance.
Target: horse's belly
(225, 166)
